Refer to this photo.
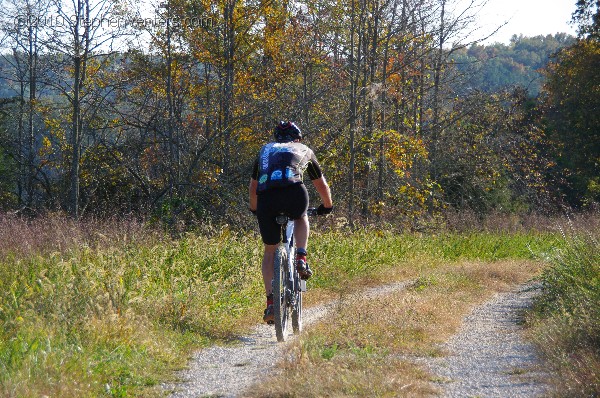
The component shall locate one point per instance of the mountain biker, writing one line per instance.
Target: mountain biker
(276, 186)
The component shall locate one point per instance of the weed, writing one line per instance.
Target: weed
(566, 317)
(329, 351)
(91, 309)
(517, 371)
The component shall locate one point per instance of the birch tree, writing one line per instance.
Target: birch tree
(81, 40)
(23, 23)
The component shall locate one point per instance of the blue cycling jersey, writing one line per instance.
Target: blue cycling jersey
(280, 164)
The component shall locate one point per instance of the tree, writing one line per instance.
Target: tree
(494, 155)
(23, 24)
(81, 41)
(496, 67)
(8, 169)
(572, 101)
(588, 19)
(173, 126)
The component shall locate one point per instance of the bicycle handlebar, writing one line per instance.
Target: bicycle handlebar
(311, 211)
(319, 211)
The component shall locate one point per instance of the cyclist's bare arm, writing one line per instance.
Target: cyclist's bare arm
(252, 194)
(324, 192)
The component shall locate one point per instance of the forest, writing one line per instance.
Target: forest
(159, 113)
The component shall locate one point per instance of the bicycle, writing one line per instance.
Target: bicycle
(287, 285)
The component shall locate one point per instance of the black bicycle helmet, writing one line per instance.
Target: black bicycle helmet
(287, 131)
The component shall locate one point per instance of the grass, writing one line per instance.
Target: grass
(565, 321)
(112, 309)
(116, 319)
(367, 348)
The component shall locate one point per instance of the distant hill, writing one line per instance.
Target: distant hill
(494, 67)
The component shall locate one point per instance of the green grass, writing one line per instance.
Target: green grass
(565, 322)
(113, 320)
(116, 318)
(337, 256)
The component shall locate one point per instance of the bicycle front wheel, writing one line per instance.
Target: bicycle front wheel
(280, 293)
(297, 307)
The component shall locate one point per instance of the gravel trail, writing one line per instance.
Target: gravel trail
(488, 357)
(228, 371)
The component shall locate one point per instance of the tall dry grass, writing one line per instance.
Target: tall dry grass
(565, 321)
(25, 236)
(111, 308)
(468, 221)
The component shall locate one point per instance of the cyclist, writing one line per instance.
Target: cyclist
(276, 186)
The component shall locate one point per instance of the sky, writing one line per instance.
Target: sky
(527, 17)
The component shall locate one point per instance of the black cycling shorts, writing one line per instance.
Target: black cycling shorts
(291, 200)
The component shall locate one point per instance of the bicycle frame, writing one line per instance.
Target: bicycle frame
(288, 241)
(287, 285)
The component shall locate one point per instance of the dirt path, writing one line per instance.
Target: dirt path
(488, 357)
(228, 371)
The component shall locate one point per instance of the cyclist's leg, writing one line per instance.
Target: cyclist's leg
(267, 272)
(298, 206)
(301, 231)
(267, 267)
(301, 234)
(270, 232)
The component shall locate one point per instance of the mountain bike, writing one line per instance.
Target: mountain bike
(287, 285)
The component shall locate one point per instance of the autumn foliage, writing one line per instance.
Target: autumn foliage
(168, 128)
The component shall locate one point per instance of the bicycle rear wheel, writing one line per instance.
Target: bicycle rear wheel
(280, 293)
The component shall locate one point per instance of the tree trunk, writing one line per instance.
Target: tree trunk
(353, 83)
(33, 58)
(75, 141)
(21, 180)
(229, 50)
(435, 125)
(173, 168)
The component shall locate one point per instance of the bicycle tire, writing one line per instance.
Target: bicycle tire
(297, 308)
(296, 296)
(280, 293)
